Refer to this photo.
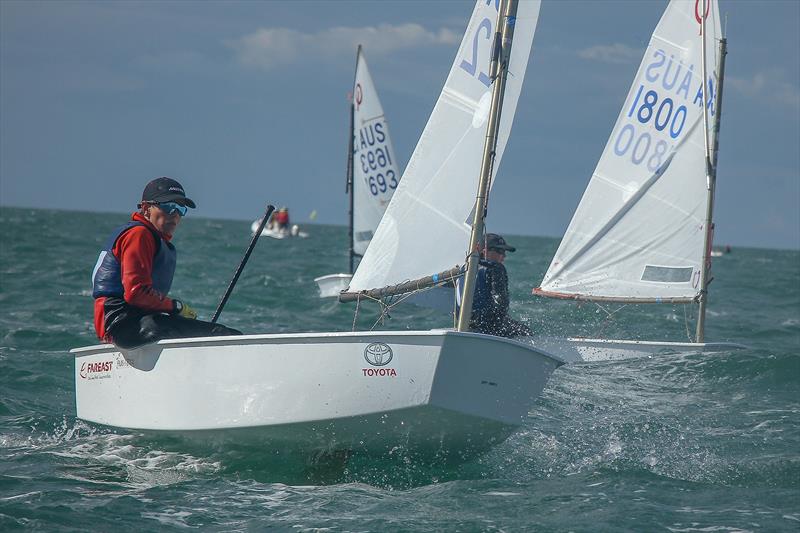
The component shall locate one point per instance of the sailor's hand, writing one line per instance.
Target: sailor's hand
(184, 310)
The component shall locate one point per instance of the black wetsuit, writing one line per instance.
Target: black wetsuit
(490, 303)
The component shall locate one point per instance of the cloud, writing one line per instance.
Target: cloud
(770, 85)
(269, 47)
(611, 53)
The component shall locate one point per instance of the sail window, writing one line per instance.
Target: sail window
(663, 274)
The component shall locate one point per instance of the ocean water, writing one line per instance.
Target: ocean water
(682, 442)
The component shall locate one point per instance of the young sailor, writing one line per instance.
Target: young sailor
(491, 300)
(134, 273)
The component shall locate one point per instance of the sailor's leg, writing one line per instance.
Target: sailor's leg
(161, 326)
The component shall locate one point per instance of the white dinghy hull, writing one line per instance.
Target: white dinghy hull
(574, 349)
(331, 285)
(372, 392)
(276, 233)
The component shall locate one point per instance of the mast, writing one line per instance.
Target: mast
(349, 186)
(501, 55)
(711, 178)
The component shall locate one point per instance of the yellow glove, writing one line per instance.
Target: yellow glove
(184, 310)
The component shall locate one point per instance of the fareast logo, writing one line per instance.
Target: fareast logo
(100, 370)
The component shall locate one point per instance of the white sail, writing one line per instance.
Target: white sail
(425, 229)
(375, 172)
(637, 234)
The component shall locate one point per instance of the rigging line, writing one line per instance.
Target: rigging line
(374, 300)
(386, 306)
(383, 314)
(355, 315)
(609, 315)
(393, 301)
(686, 324)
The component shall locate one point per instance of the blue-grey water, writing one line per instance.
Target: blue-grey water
(687, 442)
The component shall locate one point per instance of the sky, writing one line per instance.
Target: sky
(245, 103)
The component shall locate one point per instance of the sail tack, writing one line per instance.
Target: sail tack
(637, 234)
(375, 167)
(426, 229)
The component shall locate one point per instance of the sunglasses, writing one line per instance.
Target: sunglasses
(171, 208)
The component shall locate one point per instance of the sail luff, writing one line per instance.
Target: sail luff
(350, 232)
(705, 266)
(712, 182)
(350, 141)
(498, 71)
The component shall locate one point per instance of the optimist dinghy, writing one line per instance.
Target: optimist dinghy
(368, 391)
(643, 230)
(371, 391)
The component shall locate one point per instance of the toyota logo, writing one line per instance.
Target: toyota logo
(378, 354)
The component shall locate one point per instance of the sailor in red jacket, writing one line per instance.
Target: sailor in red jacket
(134, 273)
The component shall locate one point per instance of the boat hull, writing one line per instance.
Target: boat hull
(573, 349)
(277, 233)
(319, 392)
(331, 285)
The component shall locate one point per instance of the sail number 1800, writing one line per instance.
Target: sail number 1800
(642, 147)
(660, 112)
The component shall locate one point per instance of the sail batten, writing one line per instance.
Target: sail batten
(648, 192)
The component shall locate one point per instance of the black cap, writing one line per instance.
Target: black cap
(166, 190)
(496, 242)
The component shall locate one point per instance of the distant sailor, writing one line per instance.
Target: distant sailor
(491, 300)
(134, 273)
(281, 218)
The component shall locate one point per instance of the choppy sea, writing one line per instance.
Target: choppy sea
(680, 442)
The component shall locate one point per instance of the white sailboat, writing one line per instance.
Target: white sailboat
(642, 232)
(367, 391)
(372, 173)
(274, 231)
(278, 233)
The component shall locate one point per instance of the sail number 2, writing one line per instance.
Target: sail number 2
(470, 66)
